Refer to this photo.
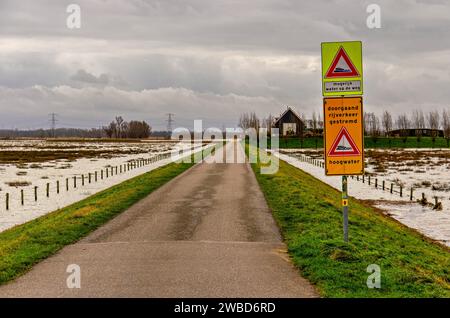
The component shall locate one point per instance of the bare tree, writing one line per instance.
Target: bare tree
(320, 123)
(267, 123)
(119, 128)
(249, 120)
(254, 121)
(387, 122)
(110, 130)
(403, 125)
(244, 121)
(314, 123)
(374, 126)
(124, 129)
(366, 124)
(418, 121)
(138, 129)
(119, 123)
(371, 125)
(433, 123)
(446, 125)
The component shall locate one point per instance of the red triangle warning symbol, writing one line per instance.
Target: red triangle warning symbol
(342, 66)
(344, 145)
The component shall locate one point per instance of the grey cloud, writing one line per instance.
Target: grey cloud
(150, 57)
(83, 76)
(31, 106)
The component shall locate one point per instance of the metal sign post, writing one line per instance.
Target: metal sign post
(342, 78)
(345, 207)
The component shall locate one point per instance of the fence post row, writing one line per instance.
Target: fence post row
(314, 161)
(137, 163)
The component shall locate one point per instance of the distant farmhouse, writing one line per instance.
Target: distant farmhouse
(290, 124)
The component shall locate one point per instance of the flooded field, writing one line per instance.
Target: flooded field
(425, 171)
(38, 176)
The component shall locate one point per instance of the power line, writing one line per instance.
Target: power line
(53, 121)
(170, 121)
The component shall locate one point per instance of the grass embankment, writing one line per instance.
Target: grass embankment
(23, 246)
(369, 142)
(309, 215)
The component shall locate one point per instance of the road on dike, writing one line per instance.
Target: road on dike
(206, 233)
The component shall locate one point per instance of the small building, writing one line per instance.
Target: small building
(289, 123)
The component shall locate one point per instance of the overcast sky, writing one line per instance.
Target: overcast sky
(210, 59)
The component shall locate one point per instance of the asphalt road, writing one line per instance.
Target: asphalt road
(206, 233)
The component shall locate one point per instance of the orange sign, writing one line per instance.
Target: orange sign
(343, 136)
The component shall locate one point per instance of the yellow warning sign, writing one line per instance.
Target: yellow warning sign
(343, 136)
(344, 202)
(342, 72)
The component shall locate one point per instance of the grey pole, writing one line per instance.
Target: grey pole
(345, 207)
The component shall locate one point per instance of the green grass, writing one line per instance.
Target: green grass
(369, 142)
(23, 246)
(308, 213)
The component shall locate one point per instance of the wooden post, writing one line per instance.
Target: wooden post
(67, 184)
(401, 191)
(392, 187)
(383, 184)
(7, 201)
(106, 170)
(35, 193)
(75, 181)
(48, 190)
(363, 178)
(82, 179)
(21, 196)
(95, 176)
(376, 183)
(57, 186)
(411, 194)
(369, 180)
(120, 169)
(101, 174)
(89, 177)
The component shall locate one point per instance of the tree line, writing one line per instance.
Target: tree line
(433, 120)
(48, 133)
(119, 128)
(374, 125)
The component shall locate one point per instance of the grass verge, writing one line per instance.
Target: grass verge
(23, 246)
(308, 213)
